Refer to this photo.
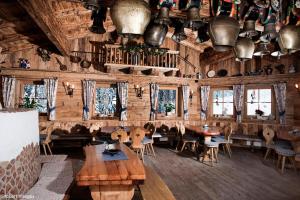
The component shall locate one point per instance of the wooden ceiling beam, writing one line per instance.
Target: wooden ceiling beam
(46, 20)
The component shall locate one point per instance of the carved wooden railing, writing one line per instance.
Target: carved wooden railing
(116, 56)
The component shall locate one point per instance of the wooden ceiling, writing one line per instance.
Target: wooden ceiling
(55, 23)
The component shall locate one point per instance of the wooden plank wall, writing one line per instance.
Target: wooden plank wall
(69, 109)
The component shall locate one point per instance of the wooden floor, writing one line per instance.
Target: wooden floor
(244, 176)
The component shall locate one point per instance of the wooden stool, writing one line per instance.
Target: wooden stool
(284, 153)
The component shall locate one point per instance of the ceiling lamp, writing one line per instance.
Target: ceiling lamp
(223, 32)
(289, 38)
(163, 16)
(261, 50)
(249, 29)
(91, 4)
(244, 49)
(179, 33)
(155, 34)
(130, 16)
(278, 51)
(269, 32)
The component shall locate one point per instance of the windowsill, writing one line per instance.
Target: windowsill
(105, 118)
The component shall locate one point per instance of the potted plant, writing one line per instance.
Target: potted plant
(169, 108)
(259, 114)
(30, 103)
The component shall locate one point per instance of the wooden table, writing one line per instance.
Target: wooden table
(206, 132)
(285, 135)
(110, 179)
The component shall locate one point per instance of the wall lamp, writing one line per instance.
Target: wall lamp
(297, 87)
(69, 89)
(139, 91)
(191, 96)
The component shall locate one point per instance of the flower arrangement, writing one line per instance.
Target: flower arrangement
(169, 107)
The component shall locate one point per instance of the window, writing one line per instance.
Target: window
(166, 102)
(106, 101)
(222, 102)
(35, 94)
(259, 99)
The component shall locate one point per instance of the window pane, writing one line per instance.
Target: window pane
(252, 96)
(106, 101)
(265, 95)
(166, 97)
(42, 105)
(218, 96)
(40, 91)
(217, 108)
(251, 107)
(228, 95)
(29, 91)
(228, 109)
(266, 108)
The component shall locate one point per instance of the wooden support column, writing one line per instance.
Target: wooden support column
(47, 21)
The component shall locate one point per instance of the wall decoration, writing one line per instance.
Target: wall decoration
(62, 67)
(24, 63)
(44, 54)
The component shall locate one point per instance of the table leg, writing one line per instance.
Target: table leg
(115, 192)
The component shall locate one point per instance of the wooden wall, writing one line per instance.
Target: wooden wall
(70, 108)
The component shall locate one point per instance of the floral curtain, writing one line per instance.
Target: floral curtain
(8, 91)
(280, 94)
(185, 95)
(238, 99)
(89, 87)
(204, 101)
(51, 89)
(154, 88)
(123, 97)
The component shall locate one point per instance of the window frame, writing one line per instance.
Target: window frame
(117, 113)
(273, 102)
(211, 101)
(178, 108)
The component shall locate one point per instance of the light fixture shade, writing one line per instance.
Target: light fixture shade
(244, 49)
(155, 34)
(289, 38)
(261, 50)
(269, 33)
(223, 32)
(163, 16)
(131, 16)
(248, 29)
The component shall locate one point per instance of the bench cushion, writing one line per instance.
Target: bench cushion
(284, 151)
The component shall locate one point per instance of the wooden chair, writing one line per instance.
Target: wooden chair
(137, 135)
(47, 141)
(268, 134)
(148, 139)
(283, 153)
(120, 135)
(225, 140)
(211, 151)
(186, 139)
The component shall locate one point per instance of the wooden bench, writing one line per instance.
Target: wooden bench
(249, 138)
(154, 187)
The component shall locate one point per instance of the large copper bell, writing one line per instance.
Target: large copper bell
(223, 32)
(261, 50)
(163, 16)
(155, 34)
(262, 3)
(248, 29)
(179, 33)
(244, 49)
(193, 16)
(91, 4)
(269, 33)
(98, 16)
(130, 16)
(289, 38)
(202, 34)
(277, 52)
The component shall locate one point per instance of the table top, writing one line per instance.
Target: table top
(285, 135)
(95, 171)
(210, 131)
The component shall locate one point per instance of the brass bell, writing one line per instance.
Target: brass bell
(179, 33)
(289, 38)
(98, 16)
(223, 32)
(261, 50)
(91, 4)
(131, 16)
(155, 34)
(244, 49)
(193, 17)
(269, 33)
(248, 29)
(202, 34)
(163, 16)
(262, 3)
(278, 51)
